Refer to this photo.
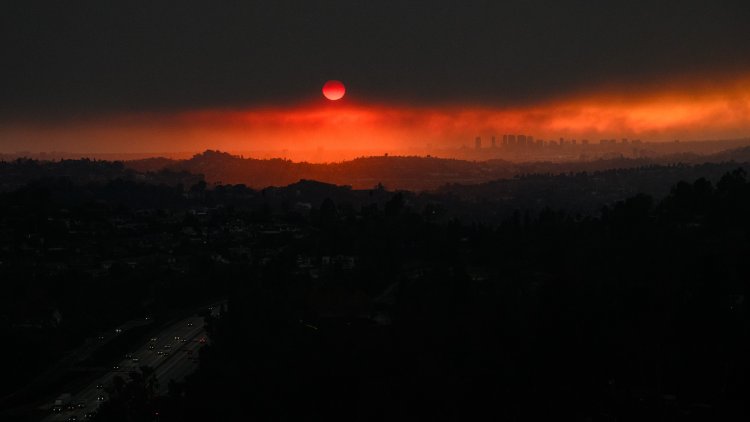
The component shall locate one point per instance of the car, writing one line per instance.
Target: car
(100, 398)
(100, 338)
(70, 407)
(128, 356)
(154, 338)
(202, 340)
(177, 337)
(135, 360)
(190, 324)
(72, 418)
(167, 346)
(89, 415)
(118, 330)
(81, 405)
(100, 386)
(151, 347)
(115, 367)
(183, 340)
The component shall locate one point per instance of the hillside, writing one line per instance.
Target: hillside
(410, 172)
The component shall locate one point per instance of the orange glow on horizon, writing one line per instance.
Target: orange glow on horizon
(358, 129)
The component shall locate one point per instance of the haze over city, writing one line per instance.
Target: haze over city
(153, 79)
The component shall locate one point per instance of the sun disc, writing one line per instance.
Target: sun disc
(334, 90)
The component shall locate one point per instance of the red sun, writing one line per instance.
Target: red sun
(334, 90)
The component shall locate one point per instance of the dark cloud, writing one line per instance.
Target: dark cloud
(67, 56)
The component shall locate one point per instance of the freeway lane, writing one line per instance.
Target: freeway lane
(172, 353)
(83, 352)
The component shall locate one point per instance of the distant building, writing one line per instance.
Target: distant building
(511, 139)
(493, 142)
(478, 142)
(505, 140)
(521, 139)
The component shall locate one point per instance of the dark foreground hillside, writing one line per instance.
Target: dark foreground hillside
(565, 296)
(378, 315)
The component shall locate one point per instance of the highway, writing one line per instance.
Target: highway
(173, 353)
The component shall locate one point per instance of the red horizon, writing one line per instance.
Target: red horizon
(699, 110)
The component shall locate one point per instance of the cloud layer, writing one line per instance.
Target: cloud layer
(691, 111)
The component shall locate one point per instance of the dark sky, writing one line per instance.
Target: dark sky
(72, 56)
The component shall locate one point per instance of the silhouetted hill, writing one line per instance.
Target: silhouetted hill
(20, 172)
(151, 164)
(410, 172)
(740, 155)
(415, 173)
(579, 192)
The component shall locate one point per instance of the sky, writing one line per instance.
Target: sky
(246, 75)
